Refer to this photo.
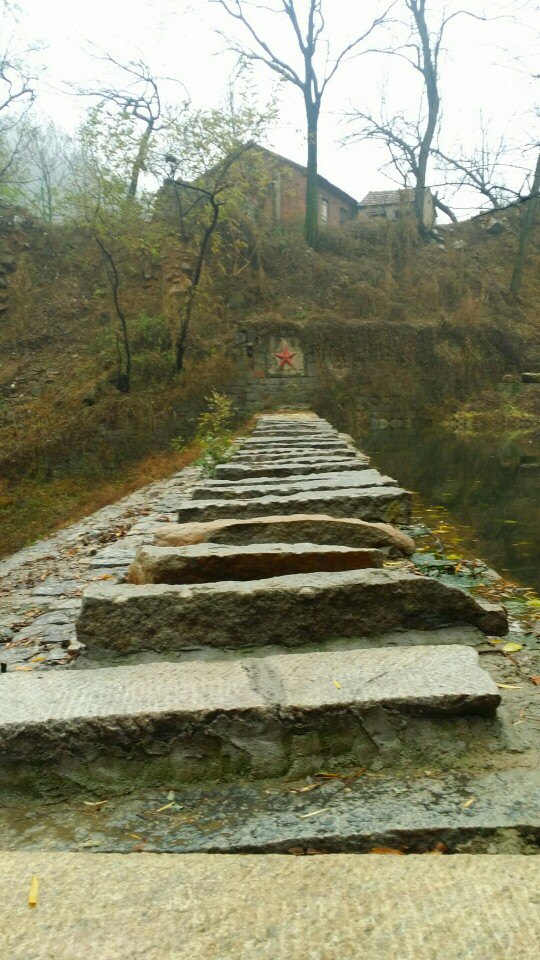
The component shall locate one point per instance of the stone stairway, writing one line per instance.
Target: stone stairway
(276, 659)
(311, 652)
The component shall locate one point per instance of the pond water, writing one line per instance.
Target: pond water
(490, 490)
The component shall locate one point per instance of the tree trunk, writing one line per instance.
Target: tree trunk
(139, 164)
(311, 227)
(528, 218)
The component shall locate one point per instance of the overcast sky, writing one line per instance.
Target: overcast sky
(484, 73)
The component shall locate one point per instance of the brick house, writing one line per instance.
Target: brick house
(285, 201)
(394, 204)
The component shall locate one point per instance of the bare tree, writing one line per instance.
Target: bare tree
(205, 199)
(136, 95)
(527, 226)
(123, 345)
(489, 169)
(311, 74)
(17, 94)
(410, 140)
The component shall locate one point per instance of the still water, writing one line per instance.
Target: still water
(491, 490)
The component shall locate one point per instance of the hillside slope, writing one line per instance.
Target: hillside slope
(69, 441)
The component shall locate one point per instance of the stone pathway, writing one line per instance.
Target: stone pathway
(41, 586)
(258, 666)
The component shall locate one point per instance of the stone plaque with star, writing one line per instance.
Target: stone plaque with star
(286, 358)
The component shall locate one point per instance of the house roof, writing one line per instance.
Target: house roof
(383, 198)
(323, 182)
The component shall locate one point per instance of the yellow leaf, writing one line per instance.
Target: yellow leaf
(469, 802)
(533, 603)
(512, 647)
(33, 892)
(166, 807)
(453, 556)
(313, 813)
(336, 684)
(36, 659)
(509, 686)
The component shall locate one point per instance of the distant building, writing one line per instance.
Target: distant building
(394, 204)
(287, 193)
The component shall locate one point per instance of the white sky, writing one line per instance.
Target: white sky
(178, 38)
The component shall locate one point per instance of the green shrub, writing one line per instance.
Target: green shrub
(213, 433)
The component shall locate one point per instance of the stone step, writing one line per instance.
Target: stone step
(155, 907)
(291, 610)
(322, 477)
(412, 813)
(258, 717)
(302, 528)
(325, 440)
(387, 504)
(294, 453)
(332, 481)
(266, 471)
(282, 446)
(209, 562)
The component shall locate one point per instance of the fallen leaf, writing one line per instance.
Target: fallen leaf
(139, 847)
(536, 680)
(307, 789)
(533, 603)
(469, 802)
(337, 684)
(33, 892)
(512, 647)
(313, 813)
(105, 576)
(392, 850)
(509, 686)
(95, 804)
(37, 659)
(166, 807)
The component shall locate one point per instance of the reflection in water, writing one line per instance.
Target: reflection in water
(493, 489)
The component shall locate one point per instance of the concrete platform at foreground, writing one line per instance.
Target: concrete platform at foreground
(211, 907)
(290, 610)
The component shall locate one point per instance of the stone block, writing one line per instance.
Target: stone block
(271, 470)
(49, 717)
(302, 528)
(290, 610)
(387, 504)
(210, 562)
(286, 488)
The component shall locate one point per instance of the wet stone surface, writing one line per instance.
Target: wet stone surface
(41, 586)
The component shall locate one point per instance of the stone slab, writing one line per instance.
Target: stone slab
(412, 814)
(285, 454)
(302, 528)
(331, 481)
(49, 717)
(204, 907)
(387, 504)
(289, 610)
(211, 562)
(258, 443)
(237, 471)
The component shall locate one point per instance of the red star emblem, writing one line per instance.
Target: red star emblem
(285, 357)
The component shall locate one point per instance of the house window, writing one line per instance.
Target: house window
(343, 215)
(324, 210)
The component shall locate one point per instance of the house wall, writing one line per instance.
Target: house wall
(288, 198)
